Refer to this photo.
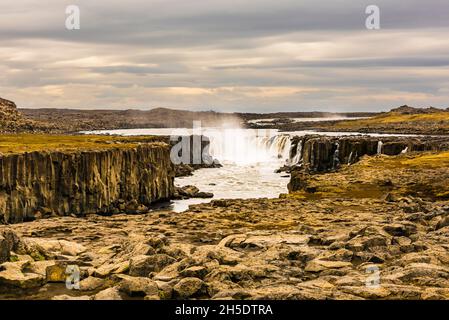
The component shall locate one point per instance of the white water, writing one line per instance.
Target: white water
(249, 158)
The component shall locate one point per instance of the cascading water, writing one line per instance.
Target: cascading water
(249, 158)
(379, 147)
(245, 147)
(350, 158)
(298, 155)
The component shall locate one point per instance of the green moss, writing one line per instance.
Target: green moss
(13, 258)
(37, 256)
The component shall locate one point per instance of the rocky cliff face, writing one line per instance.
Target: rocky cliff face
(319, 153)
(316, 154)
(63, 183)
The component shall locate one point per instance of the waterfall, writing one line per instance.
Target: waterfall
(249, 146)
(298, 155)
(336, 158)
(350, 158)
(379, 147)
(405, 150)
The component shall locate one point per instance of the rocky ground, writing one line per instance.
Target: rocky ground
(378, 229)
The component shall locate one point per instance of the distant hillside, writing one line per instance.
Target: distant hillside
(12, 121)
(303, 114)
(404, 119)
(76, 120)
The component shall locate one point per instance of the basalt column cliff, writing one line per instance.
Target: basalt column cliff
(107, 181)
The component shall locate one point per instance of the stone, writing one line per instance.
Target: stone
(11, 275)
(143, 265)
(187, 287)
(91, 283)
(108, 294)
(165, 290)
(56, 272)
(195, 271)
(63, 247)
(321, 265)
(443, 222)
(158, 241)
(111, 268)
(4, 250)
(367, 292)
(12, 239)
(401, 230)
(137, 286)
(39, 267)
(414, 271)
(67, 297)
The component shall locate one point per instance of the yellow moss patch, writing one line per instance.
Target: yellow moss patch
(20, 143)
(433, 160)
(442, 118)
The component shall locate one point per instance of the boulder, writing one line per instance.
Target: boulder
(108, 294)
(11, 274)
(141, 266)
(56, 272)
(443, 222)
(4, 250)
(91, 283)
(187, 287)
(111, 268)
(165, 290)
(195, 271)
(137, 286)
(401, 229)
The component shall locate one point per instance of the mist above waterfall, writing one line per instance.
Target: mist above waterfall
(244, 147)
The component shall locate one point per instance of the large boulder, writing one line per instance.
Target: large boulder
(12, 275)
(108, 294)
(141, 266)
(187, 287)
(137, 286)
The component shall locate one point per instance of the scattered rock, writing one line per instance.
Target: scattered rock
(11, 275)
(138, 286)
(91, 284)
(141, 266)
(4, 250)
(108, 294)
(56, 272)
(187, 287)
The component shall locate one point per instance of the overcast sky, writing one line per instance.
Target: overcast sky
(225, 55)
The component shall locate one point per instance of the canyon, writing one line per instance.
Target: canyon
(364, 217)
(383, 211)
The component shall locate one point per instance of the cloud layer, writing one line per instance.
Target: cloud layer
(258, 55)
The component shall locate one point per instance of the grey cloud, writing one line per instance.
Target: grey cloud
(136, 49)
